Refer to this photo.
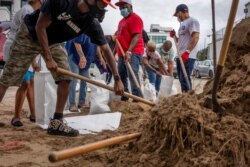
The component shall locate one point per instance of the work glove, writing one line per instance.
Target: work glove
(185, 56)
(172, 33)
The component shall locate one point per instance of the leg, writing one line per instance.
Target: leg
(72, 90)
(31, 99)
(151, 76)
(181, 76)
(157, 83)
(135, 63)
(124, 77)
(189, 68)
(2, 91)
(83, 88)
(56, 125)
(20, 97)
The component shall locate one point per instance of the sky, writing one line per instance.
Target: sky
(161, 12)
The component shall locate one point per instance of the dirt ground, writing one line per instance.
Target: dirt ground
(178, 131)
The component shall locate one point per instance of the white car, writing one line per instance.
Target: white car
(204, 69)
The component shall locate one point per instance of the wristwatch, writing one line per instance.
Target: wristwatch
(116, 77)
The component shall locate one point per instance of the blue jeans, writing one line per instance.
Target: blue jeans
(189, 65)
(83, 85)
(124, 73)
(154, 79)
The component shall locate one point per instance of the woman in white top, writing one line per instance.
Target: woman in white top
(154, 65)
(27, 87)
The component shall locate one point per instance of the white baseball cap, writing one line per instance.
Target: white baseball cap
(121, 2)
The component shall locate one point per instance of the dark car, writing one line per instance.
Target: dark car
(204, 69)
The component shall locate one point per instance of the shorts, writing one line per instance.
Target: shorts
(28, 76)
(22, 52)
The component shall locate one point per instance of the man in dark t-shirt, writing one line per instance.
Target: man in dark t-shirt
(42, 32)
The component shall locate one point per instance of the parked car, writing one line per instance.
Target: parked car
(204, 69)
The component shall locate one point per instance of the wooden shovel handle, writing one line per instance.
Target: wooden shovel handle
(66, 72)
(68, 153)
(182, 65)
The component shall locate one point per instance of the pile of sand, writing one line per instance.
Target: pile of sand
(181, 132)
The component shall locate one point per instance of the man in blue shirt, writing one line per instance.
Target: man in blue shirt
(81, 53)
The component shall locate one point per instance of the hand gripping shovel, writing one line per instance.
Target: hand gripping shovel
(130, 68)
(66, 72)
(223, 53)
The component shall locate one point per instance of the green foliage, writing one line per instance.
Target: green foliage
(202, 54)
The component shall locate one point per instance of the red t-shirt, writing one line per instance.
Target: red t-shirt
(126, 29)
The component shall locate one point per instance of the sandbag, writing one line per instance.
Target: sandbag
(166, 86)
(149, 91)
(99, 99)
(45, 97)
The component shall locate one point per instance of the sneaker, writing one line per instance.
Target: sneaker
(58, 127)
(73, 108)
(124, 98)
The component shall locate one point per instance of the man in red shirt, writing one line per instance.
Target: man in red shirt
(129, 34)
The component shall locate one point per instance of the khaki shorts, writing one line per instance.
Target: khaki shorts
(22, 52)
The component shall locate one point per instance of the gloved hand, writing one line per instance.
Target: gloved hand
(185, 56)
(172, 33)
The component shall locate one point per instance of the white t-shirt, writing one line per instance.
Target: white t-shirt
(18, 19)
(16, 22)
(186, 29)
(153, 60)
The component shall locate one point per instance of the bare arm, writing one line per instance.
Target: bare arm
(148, 66)
(42, 23)
(194, 40)
(81, 55)
(134, 42)
(162, 67)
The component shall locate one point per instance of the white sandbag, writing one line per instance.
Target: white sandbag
(149, 91)
(45, 97)
(174, 90)
(166, 86)
(99, 99)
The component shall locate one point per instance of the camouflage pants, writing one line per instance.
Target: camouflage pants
(22, 52)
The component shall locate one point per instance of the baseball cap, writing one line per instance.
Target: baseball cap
(109, 3)
(121, 2)
(181, 8)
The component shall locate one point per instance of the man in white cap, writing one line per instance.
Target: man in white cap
(188, 33)
(129, 34)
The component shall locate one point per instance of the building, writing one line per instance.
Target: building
(12, 6)
(220, 35)
(247, 9)
(160, 34)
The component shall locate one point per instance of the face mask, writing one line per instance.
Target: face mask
(163, 51)
(124, 12)
(95, 11)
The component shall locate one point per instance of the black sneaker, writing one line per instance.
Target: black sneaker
(58, 127)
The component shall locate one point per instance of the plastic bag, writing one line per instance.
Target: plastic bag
(99, 99)
(166, 86)
(45, 97)
(149, 91)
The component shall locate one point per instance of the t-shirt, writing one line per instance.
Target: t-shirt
(152, 60)
(126, 29)
(67, 22)
(89, 49)
(18, 19)
(186, 29)
(166, 56)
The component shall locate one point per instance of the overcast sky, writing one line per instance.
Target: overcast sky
(161, 12)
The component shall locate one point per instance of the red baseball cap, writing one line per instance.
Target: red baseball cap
(109, 3)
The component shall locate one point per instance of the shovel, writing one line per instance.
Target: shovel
(223, 54)
(66, 72)
(68, 153)
(130, 69)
